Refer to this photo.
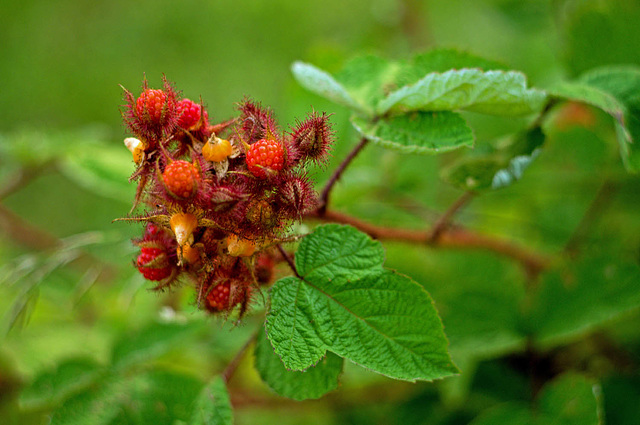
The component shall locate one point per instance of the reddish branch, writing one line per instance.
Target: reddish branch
(324, 197)
(452, 237)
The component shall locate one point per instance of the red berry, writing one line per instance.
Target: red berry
(156, 272)
(263, 156)
(189, 114)
(181, 179)
(151, 106)
(218, 297)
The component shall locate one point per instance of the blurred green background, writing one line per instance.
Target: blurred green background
(66, 278)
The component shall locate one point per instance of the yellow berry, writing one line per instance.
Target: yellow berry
(217, 150)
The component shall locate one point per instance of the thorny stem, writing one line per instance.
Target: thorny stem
(289, 261)
(324, 197)
(454, 237)
(233, 365)
(445, 219)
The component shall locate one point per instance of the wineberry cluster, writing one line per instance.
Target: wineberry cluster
(218, 196)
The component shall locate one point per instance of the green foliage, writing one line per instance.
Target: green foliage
(150, 342)
(345, 302)
(499, 167)
(69, 378)
(578, 298)
(615, 91)
(569, 400)
(419, 132)
(311, 383)
(490, 92)
(93, 351)
(212, 406)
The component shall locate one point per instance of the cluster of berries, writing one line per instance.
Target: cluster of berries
(220, 196)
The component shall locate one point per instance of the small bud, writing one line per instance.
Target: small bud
(261, 214)
(297, 196)
(183, 225)
(313, 138)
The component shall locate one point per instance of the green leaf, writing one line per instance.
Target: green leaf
(505, 414)
(368, 79)
(624, 84)
(159, 397)
(338, 251)
(213, 406)
(312, 383)
(153, 341)
(594, 33)
(98, 406)
(582, 92)
(50, 388)
(101, 168)
(580, 297)
(442, 60)
(325, 85)
(570, 399)
(499, 168)
(381, 320)
(490, 92)
(418, 132)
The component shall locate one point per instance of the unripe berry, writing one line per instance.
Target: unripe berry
(217, 150)
(188, 254)
(183, 225)
(240, 247)
(218, 297)
(153, 264)
(264, 157)
(136, 147)
(181, 179)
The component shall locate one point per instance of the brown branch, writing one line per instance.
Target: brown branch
(324, 196)
(235, 362)
(457, 238)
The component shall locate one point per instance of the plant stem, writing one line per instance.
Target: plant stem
(445, 219)
(235, 362)
(458, 237)
(600, 202)
(289, 261)
(324, 197)
(23, 177)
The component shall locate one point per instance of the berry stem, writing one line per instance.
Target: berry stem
(235, 362)
(289, 261)
(459, 238)
(324, 197)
